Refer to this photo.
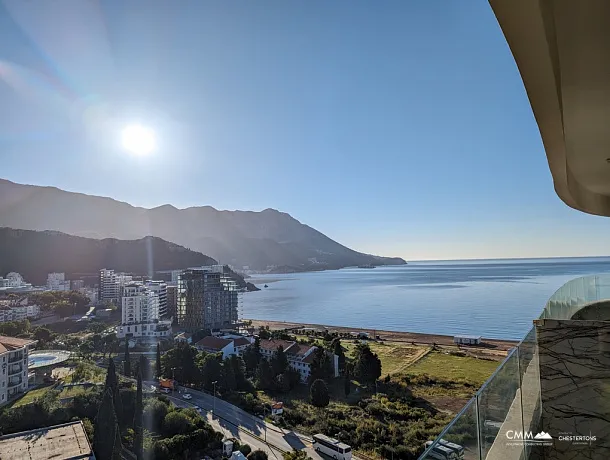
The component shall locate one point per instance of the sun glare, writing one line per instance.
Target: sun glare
(138, 139)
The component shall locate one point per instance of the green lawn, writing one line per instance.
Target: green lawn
(454, 368)
(31, 396)
(395, 357)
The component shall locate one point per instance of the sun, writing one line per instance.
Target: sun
(138, 139)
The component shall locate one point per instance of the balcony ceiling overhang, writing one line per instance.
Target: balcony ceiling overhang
(562, 50)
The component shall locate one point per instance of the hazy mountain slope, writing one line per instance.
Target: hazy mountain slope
(35, 254)
(256, 239)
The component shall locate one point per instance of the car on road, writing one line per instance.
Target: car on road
(187, 396)
(165, 390)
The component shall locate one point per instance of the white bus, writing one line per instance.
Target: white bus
(456, 448)
(331, 447)
(442, 453)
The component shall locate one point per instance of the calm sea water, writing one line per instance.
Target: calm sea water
(492, 298)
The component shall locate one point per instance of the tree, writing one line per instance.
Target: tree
(228, 380)
(264, 375)
(238, 369)
(318, 393)
(154, 414)
(279, 361)
(138, 428)
(367, 366)
(182, 359)
(296, 455)
(42, 335)
(176, 422)
(264, 334)
(321, 366)
(258, 455)
(348, 382)
(112, 384)
(337, 349)
(107, 442)
(211, 371)
(158, 368)
(127, 360)
(251, 357)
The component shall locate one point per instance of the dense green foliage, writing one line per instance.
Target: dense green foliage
(318, 393)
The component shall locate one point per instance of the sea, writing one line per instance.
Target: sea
(491, 298)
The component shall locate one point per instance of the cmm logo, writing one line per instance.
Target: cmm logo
(516, 435)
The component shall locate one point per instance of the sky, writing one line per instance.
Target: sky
(398, 128)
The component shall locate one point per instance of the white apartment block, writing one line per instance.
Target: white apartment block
(14, 365)
(140, 313)
(108, 286)
(159, 288)
(299, 356)
(57, 282)
(17, 312)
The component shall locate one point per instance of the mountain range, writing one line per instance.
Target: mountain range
(265, 240)
(35, 254)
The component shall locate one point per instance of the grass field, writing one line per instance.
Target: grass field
(31, 396)
(454, 368)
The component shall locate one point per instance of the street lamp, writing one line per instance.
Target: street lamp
(173, 381)
(214, 399)
(264, 422)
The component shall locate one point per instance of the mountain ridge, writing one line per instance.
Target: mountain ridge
(256, 239)
(34, 254)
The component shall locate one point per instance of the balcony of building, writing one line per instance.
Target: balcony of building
(550, 397)
(14, 382)
(15, 368)
(16, 357)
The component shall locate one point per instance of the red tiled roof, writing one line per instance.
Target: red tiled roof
(300, 350)
(309, 358)
(10, 343)
(213, 343)
(241, 341)
(274, 344)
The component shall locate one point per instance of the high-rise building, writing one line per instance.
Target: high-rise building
(108, 286)
(159, 288)
(172, 292)
(206, 299)
(57, 282)
(140, 313)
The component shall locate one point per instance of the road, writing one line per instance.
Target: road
(251, 429)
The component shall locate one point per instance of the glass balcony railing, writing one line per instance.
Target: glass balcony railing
(501, 420)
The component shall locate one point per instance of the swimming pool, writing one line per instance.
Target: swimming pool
(40, 359)
(47, 358)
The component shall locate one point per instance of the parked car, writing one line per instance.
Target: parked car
(186, 396)
(166, 391)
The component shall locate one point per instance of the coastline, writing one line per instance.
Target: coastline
(497, 345)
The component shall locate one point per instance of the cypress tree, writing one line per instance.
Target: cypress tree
(137, 419)
(112, 383)
(107, 441)
(127, 360)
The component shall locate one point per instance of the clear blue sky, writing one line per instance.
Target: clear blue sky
(396, 127)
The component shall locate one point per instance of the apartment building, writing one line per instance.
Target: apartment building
(14, 363)
(160, 289)
(300, 357)
(140, 314)
(172, 300)
(77, 285)
(206, 299)
(57, 282)
(108, 286)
